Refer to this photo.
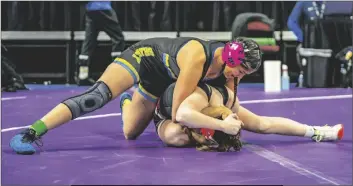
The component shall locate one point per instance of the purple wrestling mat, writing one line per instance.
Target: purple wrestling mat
(92, 149)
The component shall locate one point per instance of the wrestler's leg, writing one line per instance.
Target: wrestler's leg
(285, 126)
(264, 125)
(119, 76)
(116, 79)
(137, 114)
(172, 134)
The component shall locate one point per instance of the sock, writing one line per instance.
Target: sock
(310, 131)
(39, 127)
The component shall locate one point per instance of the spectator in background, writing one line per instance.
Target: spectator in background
(11, 81)
(100, 16)
(304, 11)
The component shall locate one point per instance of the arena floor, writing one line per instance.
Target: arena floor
(92, 150)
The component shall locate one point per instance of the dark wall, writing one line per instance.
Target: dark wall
(136, 16)
(133, 16)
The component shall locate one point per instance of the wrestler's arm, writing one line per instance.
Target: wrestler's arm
(191, 59)
(189, 113)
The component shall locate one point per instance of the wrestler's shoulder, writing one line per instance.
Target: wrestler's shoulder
(194, 49)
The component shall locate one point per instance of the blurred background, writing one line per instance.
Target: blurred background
(42, 40)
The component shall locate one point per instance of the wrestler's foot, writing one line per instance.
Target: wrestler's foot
(22, 143)
(328, 133)
(124, 98)
(83, 72)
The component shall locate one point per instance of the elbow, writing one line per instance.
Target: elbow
(183, 114)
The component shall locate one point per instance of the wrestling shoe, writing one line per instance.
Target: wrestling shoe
(22, 142)
(328, 133)
(83, 72)
(123, 97)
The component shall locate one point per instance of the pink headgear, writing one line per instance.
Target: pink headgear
(233, 54)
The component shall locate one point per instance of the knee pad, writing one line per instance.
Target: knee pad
(94, 98)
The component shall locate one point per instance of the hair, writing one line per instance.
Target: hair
(253, 54)
(226, 142)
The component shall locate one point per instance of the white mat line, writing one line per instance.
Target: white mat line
(80, 118)
(13, 98)
(98, 116)
(296, 99)
(292, 165)
(241, 102)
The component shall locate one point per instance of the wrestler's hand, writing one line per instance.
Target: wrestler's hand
(231, 125)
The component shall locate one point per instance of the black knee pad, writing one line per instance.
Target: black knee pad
(94, 98)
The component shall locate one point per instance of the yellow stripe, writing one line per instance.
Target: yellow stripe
(132, 68)
(168, 67)
(167, 60)
(147, 93)
(349, 55)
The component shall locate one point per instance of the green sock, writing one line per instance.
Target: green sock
(39, 127)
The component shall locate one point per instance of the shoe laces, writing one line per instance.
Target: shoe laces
(317, 135)
(30, 136)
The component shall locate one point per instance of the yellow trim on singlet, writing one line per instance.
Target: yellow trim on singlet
(146, 94)
(166, 64)
(131, 68)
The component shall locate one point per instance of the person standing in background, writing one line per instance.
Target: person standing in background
(304, 11)
(100, 16)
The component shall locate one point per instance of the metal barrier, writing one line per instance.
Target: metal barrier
(129, 36)
(29, 39)
(225, 36)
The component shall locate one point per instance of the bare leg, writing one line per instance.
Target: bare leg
(282, 126)
(285, 126)
(117, 78)
(137, 115)
(272, 125)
